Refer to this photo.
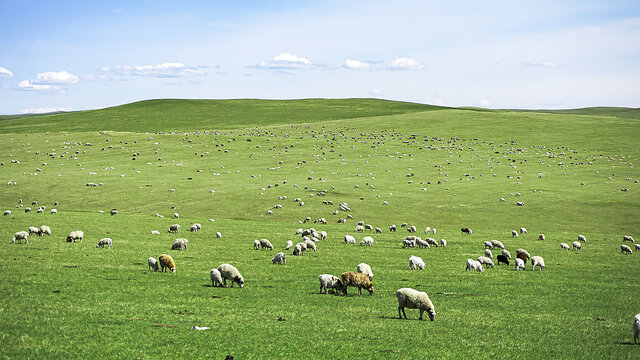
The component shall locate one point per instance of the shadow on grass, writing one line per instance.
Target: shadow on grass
(626, 343)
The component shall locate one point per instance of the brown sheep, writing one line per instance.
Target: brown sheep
(166, 262)
(351, 278)
(522, 256)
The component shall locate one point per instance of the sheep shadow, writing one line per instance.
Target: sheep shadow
(626, 343)
(397, 318)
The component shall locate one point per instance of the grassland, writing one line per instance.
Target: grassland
(66, 300)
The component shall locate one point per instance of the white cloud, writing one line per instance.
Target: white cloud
(45, 110)
(543, 64)
(355, 65)
(30, 85)
(484, 103)
(52, 77)
(166, 70)
(405, 64)
(5, 73)
(286, 61)
(375, 92)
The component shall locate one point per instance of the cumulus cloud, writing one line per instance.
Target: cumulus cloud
(45, 110)
(356, 65)
(405, 64)
(543, 64)
(286, 61)
(56, 78)
(5, 73)
(165, 70)
(31, 85)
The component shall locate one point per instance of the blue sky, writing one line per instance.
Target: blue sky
(76, 55)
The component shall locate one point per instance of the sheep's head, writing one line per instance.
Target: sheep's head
(239, 280)
(432, 314)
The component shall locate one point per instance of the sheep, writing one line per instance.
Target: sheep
(576, 245)
(297, 250)
(537, 260)
(524, 252)
(216, 278)
(523, 230)
(175, 228)
(466, 230)
(113, 212)
(408, 243)
(155, 232)
(280, 258)
(443, 242)
(27, 209)
(625, 249)
(497, 244)
(45, 230)
(628, 238)
(229, 272)
(427, 230)
(323, 235)
(218, 235)
(358, 280)
(414, 299)
(636, 328)
(488, 253)
(180, 244)
(519, 264)
(485, 261)
(431, 241)
(153, 263)
(404, 225)
(299, 231)
(392, 227)
(34, 230)
(412, 229)
(564, 246)
(75, 236)
(514, 233)
(506, 253)
(368, 227)
(364, 268)
(310, 245)
(541, 237)
(474, 265)
(378, 230)
(637, 247)
(488, 245)
(266, 244)
(422, 243)
(19, 236)
(359, 228)
(329, 282)
(582, 238)
(166, 262)
(367, 241)
(176, 215)
(503, 259)
(105, 241)
(287, 246)
(7, 213)
(416, 262)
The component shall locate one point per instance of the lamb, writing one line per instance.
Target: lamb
(474, 265)
(628, 238)
(541, 237)
(266, 244)
(636, 328)
(416, 262)
(216, 278)
(166, 262)
(564, 246)
(75, 236)
(523, 230)
(105, 241)
(256, 244)
(431, 241)
(367, 241)
(45, 230)
(497, 244)
(280, 258)
(637, 247)
(488, 253)
(358, 280)
(19, 236)
(519, 264)
(485, 261)
(330, 282)
(364, 268)
(179, 244)
(323, 235)
(576, 245)
(443, 242)
(153, 263)
(625, 249)
(175, 228)
(427, 230)
(288, 246)
(514, 233)
(229, 272)
(506, 253)
(503, 259)
(488, 245)
(414, 299)
(466, 230)
(537, 260)
(582, 238)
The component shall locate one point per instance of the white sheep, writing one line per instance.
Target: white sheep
(19, 236)
(519, 264)
(297, 250)
(488, 253)
(113, 212)
(422, 244)
(576, 245)
(408, 243)
(175, 228)
(506, 253)
(582, 238)
(34, 230)
(414, 299)
(637, 247)
(256, 244)
(193, 228)
(106, 241)
(443, 242)
(427, 230)
(280, 258)
(416, 262)
(392, 227)
(474, 265)
(514, 233)
(176, 215)
(537, 260)
(497, 244)
(266, 244)
(625, 249)
(378, 230)
(287, 247)
(45, 230)
(485, 261)
(636, 328)
(367, 241)
(155, 232)
(216, 278)
(180, 244)
(323, 235)
(359, 228)
(412, 229)
(488, 245)
(329, 282)
(365, 269)
(431, 241)
(153, 263)
(541, 237)
(75, 236)
(523, 230)
(7, 213)
(564, 246)
(218, 234)
(628, 238)
(229, 272)
(310, 245)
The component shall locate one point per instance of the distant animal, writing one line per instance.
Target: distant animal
(414, 299)
(361, 281)
(502, 259)
(466, 230)
(166, 262)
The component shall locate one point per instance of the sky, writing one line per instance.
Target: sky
(78, 55)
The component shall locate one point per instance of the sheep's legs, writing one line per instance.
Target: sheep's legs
(401, 312)
(421, 312)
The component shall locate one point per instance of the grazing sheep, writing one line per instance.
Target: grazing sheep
(75, 236)
(368, 227)
(427, 230)
(523, 230)
(53, 211)
(7, 213)
(520, 203)
(564, 246)
(218, 234)
(503, 259)
(45, 230)
(378, 230)
(628, 238)
(488, 245)
(422, 244)
(166, 262)
(113, 212)
(359, 228)
(414, 299)
(310, 245)
(474, 265)
(175, 228)
(287, 246)
(519, 264)
(34, 230)
(216, 278)
(541, 237)
(488, 253)
(180, 244)
(330, 282)
(367, 241)
(412, 229)
(404, 225)
(364, 268)
(193, 228)
(229, 272)
(625, 249)
(392, 227)
(176, 215)
(297, 250)
(514, 233)
(497, 244)
(466, 230)
(537, 260)
(506, 253)
(153, 263)
(155, 232)
(416, 262)
(443, 242)
(636, 328)
(19, 236)
(637, 247)
(524, 252)
(576, 245)
(485, 261)
(266, 244)
(431, 241)
(280, 258)
(323, 235)
(582, 238)
(358, 280)
(256, 244)
(408, 243)
(105, 241)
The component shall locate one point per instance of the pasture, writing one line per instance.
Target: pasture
(233, 161)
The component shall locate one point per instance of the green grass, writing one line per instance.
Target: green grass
(64, 300)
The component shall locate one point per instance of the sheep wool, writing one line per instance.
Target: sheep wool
(166, 262)
(45, 230)
(216, 278)
(576, 245)
(564, 246)
(636, 328)
(229, 272)
(537, 261)
(19, 236)
(289, 245)
(414, 299)
(280, 258)
(364, 268)
(358, 280)
(329, 282)
(266, 244)
(519, 264)
(153, 263)
(485, 261)
(105, 241)
(625, 249)
(416, 262)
